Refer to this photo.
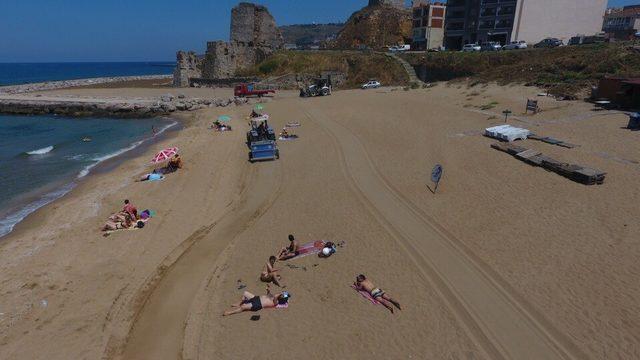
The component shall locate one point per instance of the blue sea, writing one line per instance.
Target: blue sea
(43, 157)
(22, 73)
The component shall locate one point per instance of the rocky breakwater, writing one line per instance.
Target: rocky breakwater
(35, 104)
(64, 84)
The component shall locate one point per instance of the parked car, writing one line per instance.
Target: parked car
(515, 45)
(471, 48)
(399, 48)
(585, 40)
(491, 46)
(372, 84)
(549, 43)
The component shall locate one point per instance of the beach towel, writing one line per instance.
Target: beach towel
(311, 248)
(290, 138)
(366, 295)
(293, 124)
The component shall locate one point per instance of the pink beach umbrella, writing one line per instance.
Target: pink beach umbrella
(164, 155)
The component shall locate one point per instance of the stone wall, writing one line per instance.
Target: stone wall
(188, 65)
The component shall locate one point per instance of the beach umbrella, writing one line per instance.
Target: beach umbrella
(224, 118)
(164, 155)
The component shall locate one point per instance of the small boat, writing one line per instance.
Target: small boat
(86, 139)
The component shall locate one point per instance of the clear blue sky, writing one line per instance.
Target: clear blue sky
(139, 30)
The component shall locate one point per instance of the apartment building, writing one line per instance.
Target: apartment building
(471, 21)
(622, 23)
(428, 25)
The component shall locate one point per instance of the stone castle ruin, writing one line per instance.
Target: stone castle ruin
(254, 37)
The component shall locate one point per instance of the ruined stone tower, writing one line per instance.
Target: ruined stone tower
(254, 36)
(395, 3)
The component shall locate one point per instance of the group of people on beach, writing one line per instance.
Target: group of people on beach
(128, 217)
(158, 174)
(270, 274)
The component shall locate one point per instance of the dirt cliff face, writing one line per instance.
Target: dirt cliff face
(375, 27)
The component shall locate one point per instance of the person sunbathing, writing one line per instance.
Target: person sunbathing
(363, 284)
(151, 177)
(250, 302)
(284, 133)
(269, 273)
(175, 164)
(112, 225)
(290, 251)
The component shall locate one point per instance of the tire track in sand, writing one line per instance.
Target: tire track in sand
(159, 329)
(492, 313)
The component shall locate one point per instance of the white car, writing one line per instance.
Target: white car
(399, 48)
(372, 84)
(516, 45)
(471, 47)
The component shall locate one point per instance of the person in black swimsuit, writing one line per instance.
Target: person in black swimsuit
(290, 251)
(250, 302)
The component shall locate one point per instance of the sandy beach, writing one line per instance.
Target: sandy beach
(505, 261)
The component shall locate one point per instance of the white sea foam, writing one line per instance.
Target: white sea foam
(41, 151)
(7, 223)
(87, 169)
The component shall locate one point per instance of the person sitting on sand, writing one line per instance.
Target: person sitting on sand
(175, 163)
(363, 284)
(250, 302)
(151, 177)
(130, 209)
(284, 133)
(254, 114)
(112, 225)
(290, 251)
(269, 272)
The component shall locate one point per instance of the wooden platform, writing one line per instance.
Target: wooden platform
(577, 173)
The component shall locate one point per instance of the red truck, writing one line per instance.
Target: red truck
(244, 90)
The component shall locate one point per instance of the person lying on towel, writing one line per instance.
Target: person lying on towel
(250, 302)
(154, 176)
(363, 284)
(117, 222)
(290, 251)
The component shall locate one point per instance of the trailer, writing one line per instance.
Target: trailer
(246, 90)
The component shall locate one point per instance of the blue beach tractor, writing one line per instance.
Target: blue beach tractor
(261, 140)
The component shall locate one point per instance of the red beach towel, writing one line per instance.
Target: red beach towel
(366, 295)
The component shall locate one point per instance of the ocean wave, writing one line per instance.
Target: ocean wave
(9, 222)
(42, 151)
(97, 160)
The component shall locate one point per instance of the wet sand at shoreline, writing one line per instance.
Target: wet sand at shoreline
(560, 255)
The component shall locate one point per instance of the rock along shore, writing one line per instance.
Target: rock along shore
(112, 107)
